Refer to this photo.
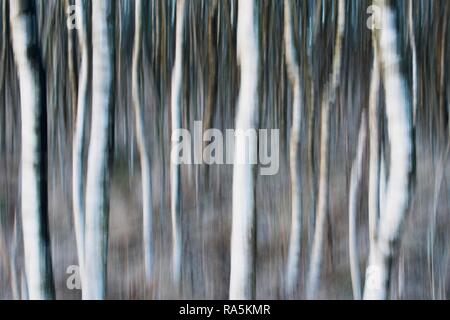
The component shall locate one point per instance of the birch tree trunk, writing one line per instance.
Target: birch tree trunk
(38, 262)
(412, 40)
(296, 222)
(374, 196)
(97, 188)
(175, 179)
(142, 143)
(328, 98)
(243, 232)
(78, 137)
(355, 185)
(397, 197)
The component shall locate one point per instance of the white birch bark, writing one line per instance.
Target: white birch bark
(412, 40)
(374, 150)
(38, 263)
(78, 139)
(243, 232)
(293, 71)
(175, 179)
(97, 188)
(142, 143)
(328, 98)
(355, 185)
(322, 205)
(397, 195)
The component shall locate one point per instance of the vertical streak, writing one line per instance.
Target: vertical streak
(243, 232)
(98, 175)
(399, 120)
(175, 185)
(142, 143)
(78, 137)
(36, 239)
(296, 224)
(412, 40)
(355, 184)
(328, 98)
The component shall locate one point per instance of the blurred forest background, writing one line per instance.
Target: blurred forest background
(209, 91)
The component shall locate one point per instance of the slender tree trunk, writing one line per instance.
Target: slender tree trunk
(412, 40)
(296, 222)
(374, 151)
(98, 175)
(142, 143)
(322, 205)
(399, 119)
(355, 185)
(38, 262)
(78, 138)
(175, 178)
(328, 98)
(243, 232)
